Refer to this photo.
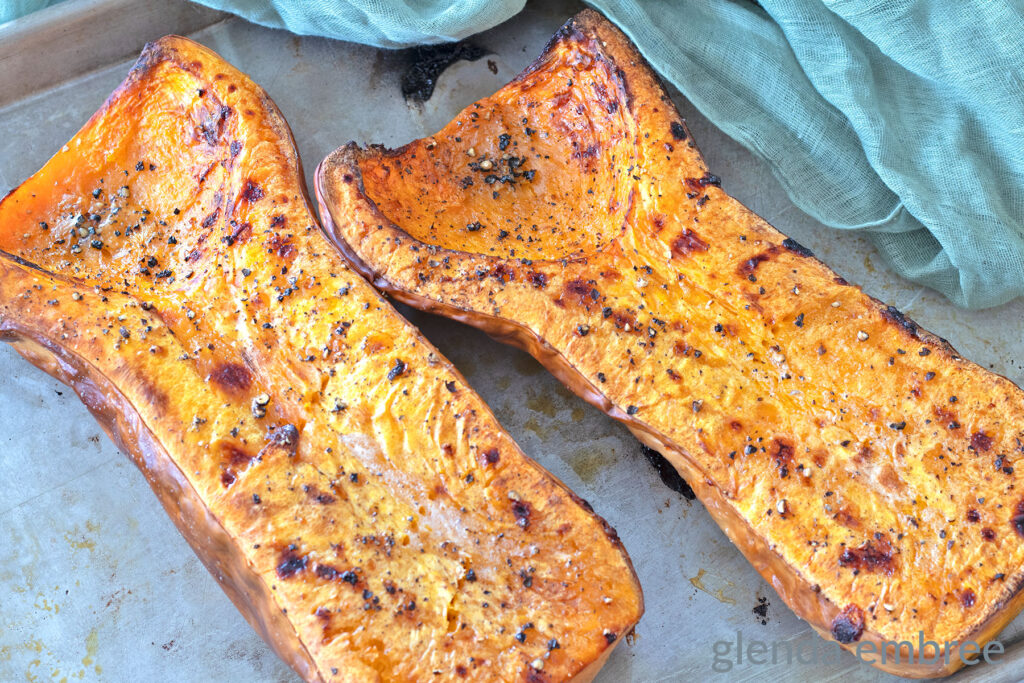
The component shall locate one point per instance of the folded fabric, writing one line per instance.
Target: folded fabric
(900, 118)
(383, 23)
(15, 9)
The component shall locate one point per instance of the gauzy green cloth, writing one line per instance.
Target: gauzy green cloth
(900, 118)
(14, 9)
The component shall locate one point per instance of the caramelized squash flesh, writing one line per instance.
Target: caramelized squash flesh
(353, 496)
(865, 469)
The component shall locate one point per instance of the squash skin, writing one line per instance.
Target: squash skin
(343, 516)
(577, 294)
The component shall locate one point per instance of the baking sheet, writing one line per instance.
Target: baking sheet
(96, 583)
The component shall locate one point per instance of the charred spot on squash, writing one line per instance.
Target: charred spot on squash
(251, 192)
(315, 495)
(846, 516)
(326, 571)
(521, 510)
(874, 555)
(211, 218)
(981, 442)
(581, 292)
(235, 456)
(697, 185)
(535, 676)
(211, 127)
(747, 267)
(624, 320)
(330, 630)
(688, 242)
(490, 457)
(155, 396)
(233, 378)
(848, 625)
(1017, 520)
(282, 246)
(331, 573)
(896, 316)
(782, 454)
(290, 562)
(240, 234)
(503, 273)
(797, 248)
(284, 438)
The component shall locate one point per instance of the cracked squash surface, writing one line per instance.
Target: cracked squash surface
(355, 499)
(868, 472)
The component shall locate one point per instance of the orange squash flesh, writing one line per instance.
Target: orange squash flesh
(355, 499)
(867, 471)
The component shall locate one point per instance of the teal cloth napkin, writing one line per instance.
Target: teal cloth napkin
(900, 118)
(14, 9)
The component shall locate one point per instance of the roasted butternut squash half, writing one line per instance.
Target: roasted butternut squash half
(355, 499)
(864, 468)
